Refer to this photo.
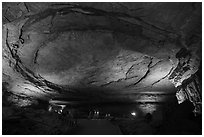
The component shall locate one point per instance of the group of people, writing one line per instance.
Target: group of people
(93, 114)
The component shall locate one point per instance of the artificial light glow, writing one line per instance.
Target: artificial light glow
(50, 108)
(133, 114)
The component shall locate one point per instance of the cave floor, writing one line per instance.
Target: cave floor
(96, 127)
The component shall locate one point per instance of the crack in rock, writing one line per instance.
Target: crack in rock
(164, 76)
(148, 66)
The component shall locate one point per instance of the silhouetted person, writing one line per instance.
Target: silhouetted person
(148, 117)
(90, 115)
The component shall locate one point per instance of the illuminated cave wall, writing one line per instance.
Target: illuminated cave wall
(100, 51)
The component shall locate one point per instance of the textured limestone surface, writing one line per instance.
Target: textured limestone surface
(101, 51)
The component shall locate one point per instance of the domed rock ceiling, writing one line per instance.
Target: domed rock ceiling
(100, 51)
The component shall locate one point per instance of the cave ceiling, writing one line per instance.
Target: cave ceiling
(98, 51)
